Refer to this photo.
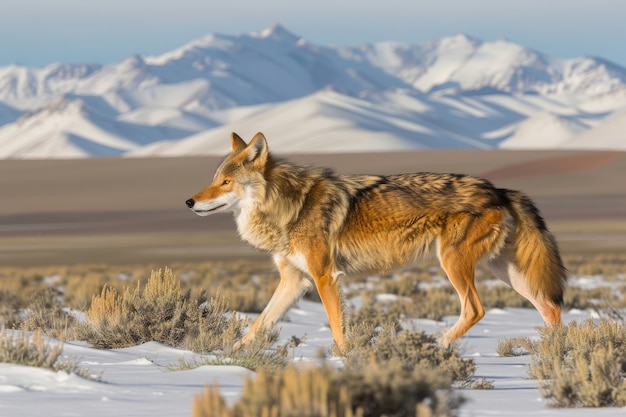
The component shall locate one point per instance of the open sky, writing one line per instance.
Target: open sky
(40, 32)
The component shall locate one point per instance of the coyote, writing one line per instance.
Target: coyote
(319, 225)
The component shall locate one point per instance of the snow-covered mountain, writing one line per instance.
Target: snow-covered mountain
(453, 92)
(464, 64)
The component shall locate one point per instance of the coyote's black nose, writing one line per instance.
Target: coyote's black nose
(190, 203)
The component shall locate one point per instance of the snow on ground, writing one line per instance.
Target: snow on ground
(139, 381)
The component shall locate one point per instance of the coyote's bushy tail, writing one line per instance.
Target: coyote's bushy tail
(536, 251)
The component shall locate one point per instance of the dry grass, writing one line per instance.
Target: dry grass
(45, 312)
(162, 312)
(38, 297)
(247, 285)
(387, 371)
(326, 391)
(597, 298)
(559, 344)
(168, 308)
(10, 307)
(257, 354)
(594, 381)
(517, 346)
(412, 350)
(22, 349)
(612, 266)
(33, 350)
(578, 365)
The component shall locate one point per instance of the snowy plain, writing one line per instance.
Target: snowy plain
(140, 381)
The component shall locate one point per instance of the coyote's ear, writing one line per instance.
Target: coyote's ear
(257, 148)
(236, 142)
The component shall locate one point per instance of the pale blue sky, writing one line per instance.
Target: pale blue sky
(39, 32)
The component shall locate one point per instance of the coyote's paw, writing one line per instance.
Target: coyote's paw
(239, 345)
(443, 337)
(244, 342)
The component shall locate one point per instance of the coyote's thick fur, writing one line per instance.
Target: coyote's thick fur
(318, 225)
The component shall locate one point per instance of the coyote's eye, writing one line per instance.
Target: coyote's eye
(226, 182)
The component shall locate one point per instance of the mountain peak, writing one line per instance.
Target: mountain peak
(460, 39)
(278, 31)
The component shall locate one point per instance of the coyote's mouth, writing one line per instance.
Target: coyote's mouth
(211, 209)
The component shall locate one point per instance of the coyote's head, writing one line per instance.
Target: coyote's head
(238, 179)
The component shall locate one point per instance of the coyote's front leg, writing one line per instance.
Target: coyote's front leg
(291, 287)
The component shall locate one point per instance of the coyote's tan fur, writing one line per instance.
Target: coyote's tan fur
(318, 225)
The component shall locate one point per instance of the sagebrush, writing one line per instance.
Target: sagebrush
(160, 311)
(32, 349)
(578, 365)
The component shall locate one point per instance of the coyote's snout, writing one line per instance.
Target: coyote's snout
(318, 224)
(217, 197)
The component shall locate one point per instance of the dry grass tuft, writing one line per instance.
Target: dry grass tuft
(517, 346)
(10, 307)
(22, 349)
(412, 350)
(559, 344)
(159, 312)
(108, 308)
(594, 381)
(255, 355)
(326, 391)
(579, 365)
(45, 313)
(26, 349)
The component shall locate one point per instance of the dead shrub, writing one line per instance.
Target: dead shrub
(20, 348)
(518, 346)
(79, 288)
(159, 312)
(609, 265)
(45, 312)
(593, 298)
(558, 345)
(435, 303)
(388, 390)
(411, 349)
(387, 371)
(255, 355)
(594, 381)
(581, 364)
(377, 313)
(10, 307)
(26, 349)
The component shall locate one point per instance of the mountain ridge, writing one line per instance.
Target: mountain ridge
(451, 92)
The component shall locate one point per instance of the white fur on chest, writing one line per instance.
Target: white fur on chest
(253, 227)
(247, 227)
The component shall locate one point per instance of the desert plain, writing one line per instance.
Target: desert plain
(132, 210)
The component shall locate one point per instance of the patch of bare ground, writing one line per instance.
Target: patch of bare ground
(126, 211)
